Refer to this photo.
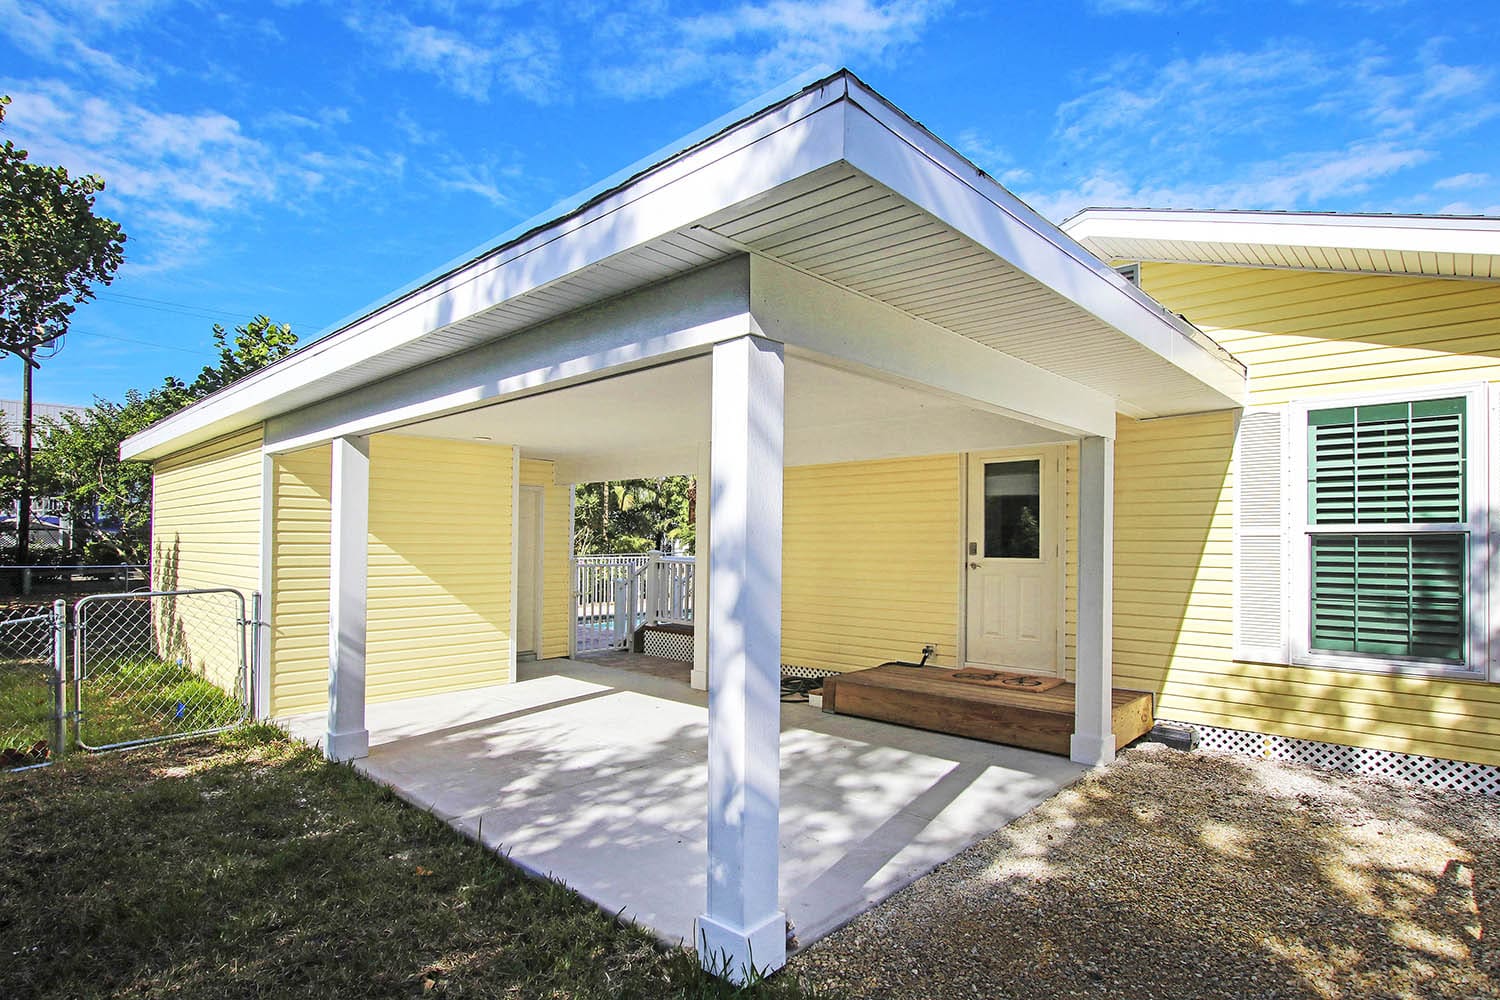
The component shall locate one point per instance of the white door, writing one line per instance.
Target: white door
(528, 565)
(1014, 561)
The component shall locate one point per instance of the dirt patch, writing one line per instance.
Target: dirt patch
(1199, 875)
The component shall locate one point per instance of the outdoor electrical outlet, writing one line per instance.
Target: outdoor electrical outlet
(930, 649)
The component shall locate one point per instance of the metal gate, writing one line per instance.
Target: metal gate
(159, 665)
(32, 686)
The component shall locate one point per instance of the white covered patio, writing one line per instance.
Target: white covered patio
(595, 775)
(821, 281)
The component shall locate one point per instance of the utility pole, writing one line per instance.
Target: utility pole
(23, 512)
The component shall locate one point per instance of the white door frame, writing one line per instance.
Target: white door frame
(1058, 455)
(538, 568)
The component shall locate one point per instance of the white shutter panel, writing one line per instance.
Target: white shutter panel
(1261, 563)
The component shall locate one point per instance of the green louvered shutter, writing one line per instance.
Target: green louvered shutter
(1388, 594)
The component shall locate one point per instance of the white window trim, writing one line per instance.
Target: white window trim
(1482, 467)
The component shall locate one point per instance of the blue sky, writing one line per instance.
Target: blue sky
(302, 159)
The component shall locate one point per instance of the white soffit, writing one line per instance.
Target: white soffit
(830, 179)
(1425, 246)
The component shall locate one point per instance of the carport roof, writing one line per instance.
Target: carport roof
(828, 178)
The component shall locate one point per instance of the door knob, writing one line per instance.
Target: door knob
(973, 565)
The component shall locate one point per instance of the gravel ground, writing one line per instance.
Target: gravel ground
(1198, 876)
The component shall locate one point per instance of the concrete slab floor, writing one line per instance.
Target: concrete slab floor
(596, 775)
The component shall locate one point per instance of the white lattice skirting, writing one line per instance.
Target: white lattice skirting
(668, 645)
(1435, 772)
(789, 670)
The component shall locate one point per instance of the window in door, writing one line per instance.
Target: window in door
(1013, 509)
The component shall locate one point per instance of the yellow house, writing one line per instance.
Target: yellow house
(1192, 455)
(1328, 583)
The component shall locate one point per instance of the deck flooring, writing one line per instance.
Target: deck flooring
(930, 698)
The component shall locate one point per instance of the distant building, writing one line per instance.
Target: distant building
(49, 514)
(11, 418)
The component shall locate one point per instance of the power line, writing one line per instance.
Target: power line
(142, 343)
(176, 308)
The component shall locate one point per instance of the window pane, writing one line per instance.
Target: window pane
(1390, 595)
(1392, 463)
(1012, 509)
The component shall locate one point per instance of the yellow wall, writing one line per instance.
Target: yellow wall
(205, 533)
(439, 571)
(440, 566)
(299, 582)
(557, 588)
(205, 516)
(870, 562)
(1303, 335)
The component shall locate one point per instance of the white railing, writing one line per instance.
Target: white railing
(613, 595)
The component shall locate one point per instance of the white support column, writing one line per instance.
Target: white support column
(348, 738)
(1093, 740)
(744, 926)
(699, 677)
(260, 631)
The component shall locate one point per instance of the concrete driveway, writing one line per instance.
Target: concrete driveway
(596, 776)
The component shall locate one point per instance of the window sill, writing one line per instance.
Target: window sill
(1394, 667)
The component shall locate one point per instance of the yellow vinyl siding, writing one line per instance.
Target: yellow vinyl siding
(438, 604)
(557, 596)
(439, 566)
(205, 533)
(205, 516)
(870, 562)
(1303, 335)
(299, 581)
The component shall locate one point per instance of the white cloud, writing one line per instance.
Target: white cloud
(645, 50)
(1142, 6)
(496, 183)
(67, 40)
(1462, 182)
(1288, 125)
(636, 48)
(174, 179)
(471, 60)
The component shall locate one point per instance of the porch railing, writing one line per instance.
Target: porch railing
(613, 595)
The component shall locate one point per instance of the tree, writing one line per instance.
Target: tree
(53, 248)
(53, 251)
(81, 455)
(634, 515)
(256, 344)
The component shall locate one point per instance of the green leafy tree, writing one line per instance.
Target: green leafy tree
(80, 458)
(53, 248)
(634, 515)
(53, 251)
(256, 344)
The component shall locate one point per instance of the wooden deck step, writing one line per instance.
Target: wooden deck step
(929, 698)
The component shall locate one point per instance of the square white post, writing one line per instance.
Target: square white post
(1093, 728)
(744, 926)
(348, 738)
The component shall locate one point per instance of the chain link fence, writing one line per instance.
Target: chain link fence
(123, 670)
(31, 686)
(159, 665)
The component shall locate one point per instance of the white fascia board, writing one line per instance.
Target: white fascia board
(658, 324)
(837, 325)
(931, 175)
(778, 146)
(1394, 234)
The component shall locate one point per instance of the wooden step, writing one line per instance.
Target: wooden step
(929, 698)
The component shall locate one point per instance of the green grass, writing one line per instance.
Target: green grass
(25, 703)
(244, 865)
(129, 698)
